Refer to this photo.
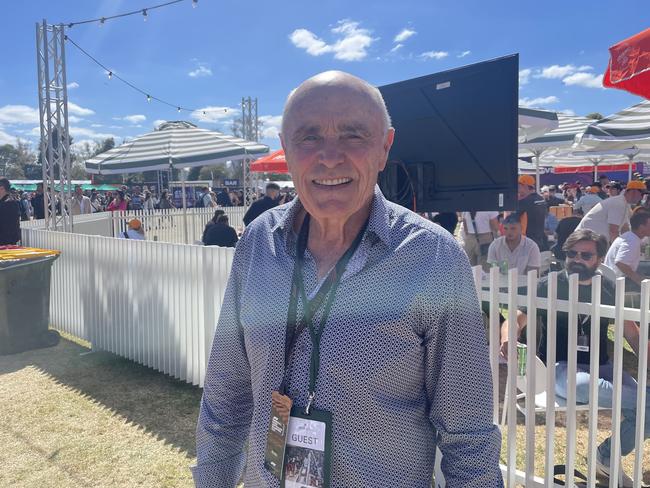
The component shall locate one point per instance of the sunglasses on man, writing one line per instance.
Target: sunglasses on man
(584, 255)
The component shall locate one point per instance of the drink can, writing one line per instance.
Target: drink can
(503, 267)
(522, 356)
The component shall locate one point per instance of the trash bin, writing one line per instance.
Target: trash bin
(25, 299)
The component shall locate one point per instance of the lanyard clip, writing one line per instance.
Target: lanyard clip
(310, 400)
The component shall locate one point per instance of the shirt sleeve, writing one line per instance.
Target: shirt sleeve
(492, 252)
(616, 214)
(625, 254)
(459, 384)
(227, 402)
(535, 258)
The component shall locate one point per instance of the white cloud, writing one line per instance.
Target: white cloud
(212, 114)
(567, 111)
(75, 109)
(397, 47)
(202, 70)
(352, 41)
(556, 71)
(96, 125)
(524, 76)
(589, 80)
(18, 114)
(73, 85)
(538, 102)
(77, 132)
(74, 119)
(134, 119)
(464, 53)
(434, 54)
(271, 126)
(6, 138)
(404, 35)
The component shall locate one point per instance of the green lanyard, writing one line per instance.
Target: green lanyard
(325, 294)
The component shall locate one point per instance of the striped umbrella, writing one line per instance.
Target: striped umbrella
(561, 137)
(533, 123)
(558, 139)
(559, 158)
(177, 144)
(625, 129)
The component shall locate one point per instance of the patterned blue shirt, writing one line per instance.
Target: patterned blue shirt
(403, 363)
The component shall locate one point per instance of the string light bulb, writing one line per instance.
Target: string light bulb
(102, 21)
(179, 109)
(110, 75)
(149, 98)
(144, 14)
(195, 3)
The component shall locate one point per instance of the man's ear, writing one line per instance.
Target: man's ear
(388, 142)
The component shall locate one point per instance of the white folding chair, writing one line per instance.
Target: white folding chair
(632, 298)
(545, 266)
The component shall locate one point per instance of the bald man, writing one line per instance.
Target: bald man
(350, 340)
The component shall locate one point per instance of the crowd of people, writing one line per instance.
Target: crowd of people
(136, 197)
(545, 220)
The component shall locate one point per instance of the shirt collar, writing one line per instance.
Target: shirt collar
(378, 223)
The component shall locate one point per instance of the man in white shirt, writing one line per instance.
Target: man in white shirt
(611, 216)
(625, 253)
(478, 237)
(80, 203)
(517, 250)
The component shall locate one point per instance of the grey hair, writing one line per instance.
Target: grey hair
(373, 91)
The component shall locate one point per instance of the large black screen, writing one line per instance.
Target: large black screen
(455, 144)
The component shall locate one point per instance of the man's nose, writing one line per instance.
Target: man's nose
(330, 153)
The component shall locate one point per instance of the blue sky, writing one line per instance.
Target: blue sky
(207, 58)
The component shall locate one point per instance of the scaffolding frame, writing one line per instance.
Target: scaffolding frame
(250, 132)
(53, 115)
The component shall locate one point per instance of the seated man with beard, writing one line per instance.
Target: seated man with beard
(585, 251)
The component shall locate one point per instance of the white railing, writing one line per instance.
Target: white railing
(492, 291)
(172, 225)
(158, 303)
(153, 302)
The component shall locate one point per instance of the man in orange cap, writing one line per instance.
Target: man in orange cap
(532, 211)
(610, 217)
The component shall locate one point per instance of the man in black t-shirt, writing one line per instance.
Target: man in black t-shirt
(585, 251)
(532, 211)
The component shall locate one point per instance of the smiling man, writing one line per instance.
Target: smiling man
(349, 318)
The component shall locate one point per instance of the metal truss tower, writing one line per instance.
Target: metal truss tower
(53, 112)
(250, 132)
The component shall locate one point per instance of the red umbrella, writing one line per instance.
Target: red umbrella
(273, 163)
(629, 65)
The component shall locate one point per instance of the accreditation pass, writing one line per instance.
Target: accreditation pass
(307, 454)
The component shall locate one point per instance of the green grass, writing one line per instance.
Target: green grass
(74, 419)
(70, 419)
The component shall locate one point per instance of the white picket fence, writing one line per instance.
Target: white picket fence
(171, 225)
(491, 292)
(157, 303)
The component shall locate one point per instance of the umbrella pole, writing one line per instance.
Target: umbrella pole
(537, 170)
(629, 168)
(184, 175)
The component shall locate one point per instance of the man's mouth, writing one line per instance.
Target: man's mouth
(332, 181)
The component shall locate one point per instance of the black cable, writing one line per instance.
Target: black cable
(125, 14)
(128, 83)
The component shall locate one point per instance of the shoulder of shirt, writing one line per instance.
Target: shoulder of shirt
(403, 225)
